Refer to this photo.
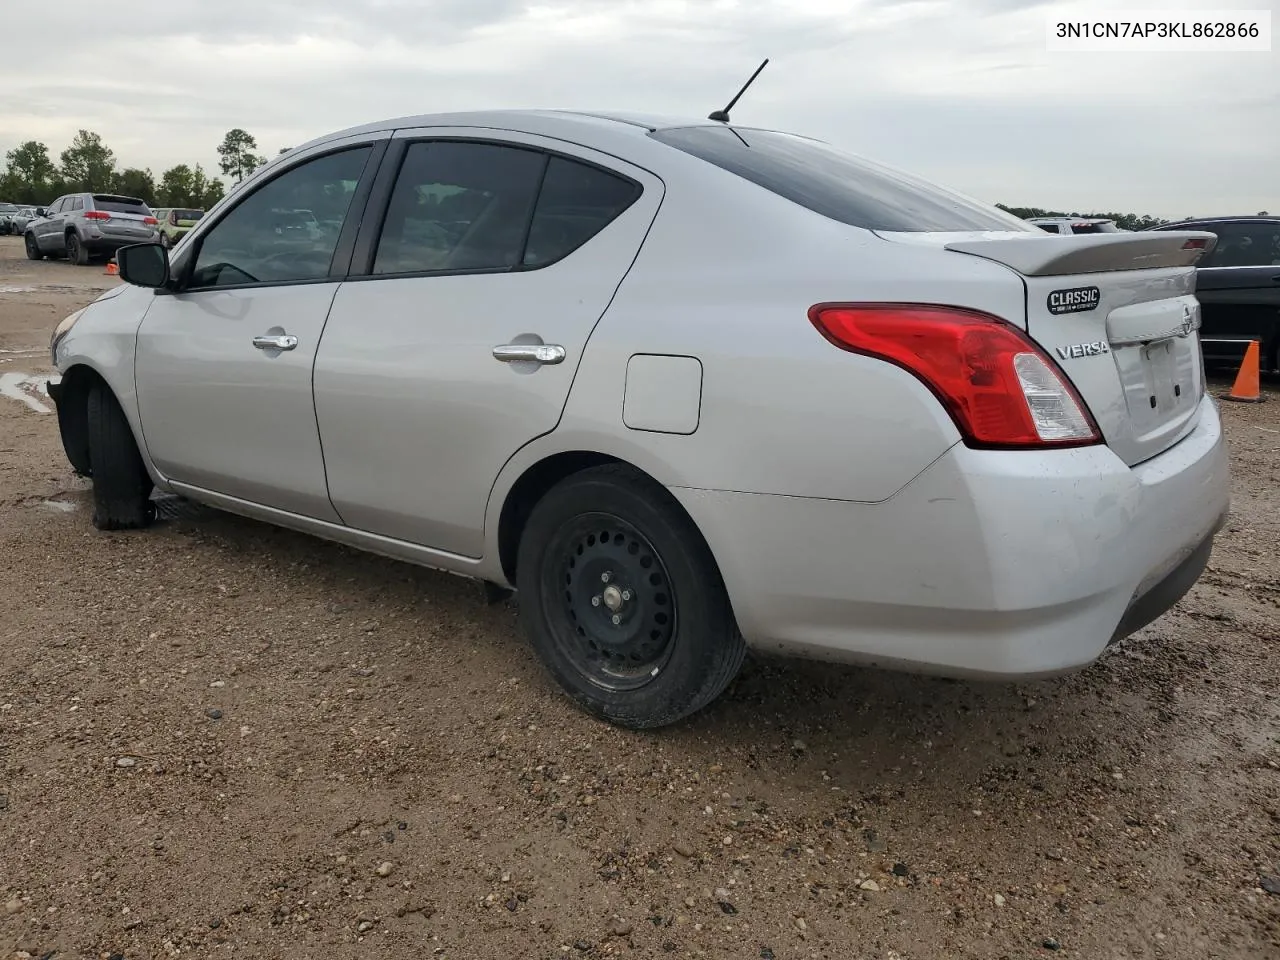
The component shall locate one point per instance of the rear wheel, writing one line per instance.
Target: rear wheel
(121, 484)
(77, 253)
(623, 602)
(33, 248)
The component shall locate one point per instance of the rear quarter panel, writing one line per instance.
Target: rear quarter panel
(727, 275)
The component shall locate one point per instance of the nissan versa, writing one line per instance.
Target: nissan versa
(688, 387)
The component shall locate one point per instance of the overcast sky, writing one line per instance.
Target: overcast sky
(961, 91)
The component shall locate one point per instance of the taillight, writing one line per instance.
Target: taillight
(1195, 243)
(150, 221)
(1001, 390)
(97, 215)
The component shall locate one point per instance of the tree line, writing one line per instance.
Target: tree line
(30, 175)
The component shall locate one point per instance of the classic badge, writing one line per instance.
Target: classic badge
(1074, 300)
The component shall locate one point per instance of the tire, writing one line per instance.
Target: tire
(623, 602)
(33, 248)
(121, 485)
(77, 253)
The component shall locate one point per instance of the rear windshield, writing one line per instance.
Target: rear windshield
(189, 214)
(1106, 226)
(835, 184)
(120, 205)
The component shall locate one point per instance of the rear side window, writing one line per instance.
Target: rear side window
(74, 203)
(459, 207)
(835, 184)
(120, 205)
(1048, 227)
(1243, 245)
(577, 202)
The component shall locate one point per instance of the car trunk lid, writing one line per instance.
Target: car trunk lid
(1118, 314)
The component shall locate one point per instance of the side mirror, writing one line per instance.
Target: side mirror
(144, 264)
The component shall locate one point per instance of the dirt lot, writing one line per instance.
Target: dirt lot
(218, 738)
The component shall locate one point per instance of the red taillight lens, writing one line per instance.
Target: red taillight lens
(1001, 390)
(150, 221)
(1195, 243)
(97, 215)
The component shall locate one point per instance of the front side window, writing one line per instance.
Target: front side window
(459, 207)
(273, 236)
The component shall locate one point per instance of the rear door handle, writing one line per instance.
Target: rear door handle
(285, 341)
(545, 353)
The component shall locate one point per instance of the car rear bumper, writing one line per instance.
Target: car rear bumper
(989, 563)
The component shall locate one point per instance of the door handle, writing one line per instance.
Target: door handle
(285, 341)
(546, 353)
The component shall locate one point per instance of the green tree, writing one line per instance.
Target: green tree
(213, 192)
(137, 183)
(88, 164)
(184, 186)
(238, 154)
(30, 174)
(175, 187)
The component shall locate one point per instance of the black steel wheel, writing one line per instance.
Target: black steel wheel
(622, 599)
(617, 599)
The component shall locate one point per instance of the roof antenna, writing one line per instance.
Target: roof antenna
(722, 116)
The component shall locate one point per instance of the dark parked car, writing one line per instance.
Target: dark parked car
(1238, 285)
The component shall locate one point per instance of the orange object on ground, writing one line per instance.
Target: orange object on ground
(1248, 385)
(112, 269)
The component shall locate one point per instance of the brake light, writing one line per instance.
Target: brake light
(150, 221)
(97, 215)
(1001, 390)
(1195, 243)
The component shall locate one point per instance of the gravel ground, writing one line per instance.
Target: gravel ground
(217, 737)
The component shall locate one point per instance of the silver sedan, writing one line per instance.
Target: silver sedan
(688, 387)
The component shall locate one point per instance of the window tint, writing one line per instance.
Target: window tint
(459, 206)
(272, 236)
(1048, 227)
(1243, 244)
(836, 184)
(576, 202)
(121, 205)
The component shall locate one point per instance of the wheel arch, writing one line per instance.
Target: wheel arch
(539, 477)
(73, 414)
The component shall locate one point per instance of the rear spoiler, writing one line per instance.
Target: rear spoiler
(1050, 256)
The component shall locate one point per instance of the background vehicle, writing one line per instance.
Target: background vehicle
(1238, 285)
(1069, 226)
(18, 221)
(7, 211)
(175, 223)
(685, 386)
(81, 225)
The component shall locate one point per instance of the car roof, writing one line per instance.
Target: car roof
(585, 127)
(1069, 220)
(1228, 219)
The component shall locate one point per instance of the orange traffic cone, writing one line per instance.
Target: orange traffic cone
(112, 269)
(1248, 387)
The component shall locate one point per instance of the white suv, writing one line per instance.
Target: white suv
(1068, 226)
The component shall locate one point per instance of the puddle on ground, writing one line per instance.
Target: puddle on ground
(28, 389)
